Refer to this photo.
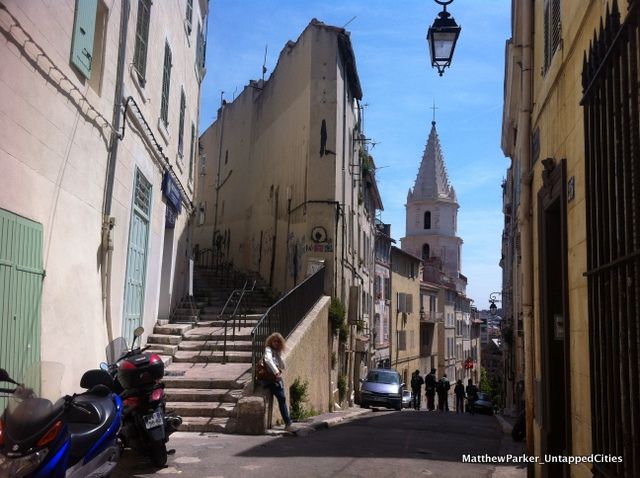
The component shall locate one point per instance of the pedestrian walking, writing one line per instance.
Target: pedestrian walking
(430, 383)
(459, 393)
(274, 346)
(442, 389)
(472, 396)
(416, 387)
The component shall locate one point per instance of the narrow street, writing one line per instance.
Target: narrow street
(380, 443)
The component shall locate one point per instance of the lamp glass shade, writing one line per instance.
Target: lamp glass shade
(443, 43)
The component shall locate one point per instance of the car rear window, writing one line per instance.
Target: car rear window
(383, 377)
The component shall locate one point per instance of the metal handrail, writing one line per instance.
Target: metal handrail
(221, 317)
(285, 315)
(235, 311)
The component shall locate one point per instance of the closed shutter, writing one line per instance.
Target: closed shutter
(401, 306)
(21, 276)
(183, 105)
(83, 33)
(166, 84)
(142, 39)
(189, 15)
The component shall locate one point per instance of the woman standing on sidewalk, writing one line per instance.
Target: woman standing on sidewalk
(274, 346)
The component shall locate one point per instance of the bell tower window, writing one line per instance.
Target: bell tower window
(427, 220)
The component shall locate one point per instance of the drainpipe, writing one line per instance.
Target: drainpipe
(108, 222)
(217, 186)
(524, 214)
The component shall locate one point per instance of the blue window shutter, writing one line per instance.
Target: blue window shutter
(83, 33)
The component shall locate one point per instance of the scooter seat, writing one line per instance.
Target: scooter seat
(88, 420)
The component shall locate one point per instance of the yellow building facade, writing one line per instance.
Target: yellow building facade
(570, 126)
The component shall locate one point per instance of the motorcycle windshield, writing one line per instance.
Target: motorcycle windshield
(36, 401)
(116, 349)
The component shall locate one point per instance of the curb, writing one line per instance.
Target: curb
(303, 428)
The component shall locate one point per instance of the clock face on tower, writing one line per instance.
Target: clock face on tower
(319, 234)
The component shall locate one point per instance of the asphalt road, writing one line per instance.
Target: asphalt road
(378, 444)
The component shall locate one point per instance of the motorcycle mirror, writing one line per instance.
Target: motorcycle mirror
(104, 366)
(136, 333)
(4, 377)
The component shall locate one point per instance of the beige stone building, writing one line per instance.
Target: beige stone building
(570, 126)
(98, 123)
(285, 180)
(405, 314)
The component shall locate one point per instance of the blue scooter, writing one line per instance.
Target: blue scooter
(74, 436)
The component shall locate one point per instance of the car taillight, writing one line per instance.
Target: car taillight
(1, 433)
(157, 394)
(50, 435)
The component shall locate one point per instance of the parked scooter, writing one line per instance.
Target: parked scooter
(146, 425)
(43, 435)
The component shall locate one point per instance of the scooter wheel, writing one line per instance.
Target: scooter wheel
(158, 453)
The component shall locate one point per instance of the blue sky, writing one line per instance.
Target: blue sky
(399, 88)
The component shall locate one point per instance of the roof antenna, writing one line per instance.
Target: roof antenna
(348, 22)
(264, 63)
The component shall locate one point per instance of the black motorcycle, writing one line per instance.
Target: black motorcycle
(146, 426)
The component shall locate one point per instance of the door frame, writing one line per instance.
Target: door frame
(553, 194)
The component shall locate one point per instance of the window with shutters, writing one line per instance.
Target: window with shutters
(87, 45)
(189, 16)
(387, 288)
(200, 54)
(192, 153)
(142, 39)
(166, 84)
(552, 31)
(183, 105)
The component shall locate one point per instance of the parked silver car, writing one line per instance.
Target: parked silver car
(382, 387)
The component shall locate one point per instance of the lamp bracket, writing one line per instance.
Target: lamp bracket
(444, 3)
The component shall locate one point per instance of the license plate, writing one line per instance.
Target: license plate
(152, 420)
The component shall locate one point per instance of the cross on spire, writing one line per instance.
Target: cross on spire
(434, 108)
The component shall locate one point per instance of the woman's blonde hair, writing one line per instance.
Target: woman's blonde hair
(274, 336)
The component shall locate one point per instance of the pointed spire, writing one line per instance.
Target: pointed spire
(432, 181)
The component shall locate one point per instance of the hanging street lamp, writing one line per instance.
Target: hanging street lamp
(442, 37)
(493, 308)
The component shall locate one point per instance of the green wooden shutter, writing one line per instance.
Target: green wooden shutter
(21, 278)
(142, 39)
(166, 84)
(183, 105)
(189, 15)
(83, 33)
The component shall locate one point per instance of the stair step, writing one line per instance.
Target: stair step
(164, 339)
(203, 394)
(162, 321)
(204, 425)
(172, 329)
(163, 349)
(212, 357)
(196, 345)
(181, 382)
(201, 409)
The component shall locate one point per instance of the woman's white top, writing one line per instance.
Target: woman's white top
(273, 360)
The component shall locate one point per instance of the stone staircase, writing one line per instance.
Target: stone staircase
(203, 381)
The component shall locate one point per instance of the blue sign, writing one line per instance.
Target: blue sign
(171, 192)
